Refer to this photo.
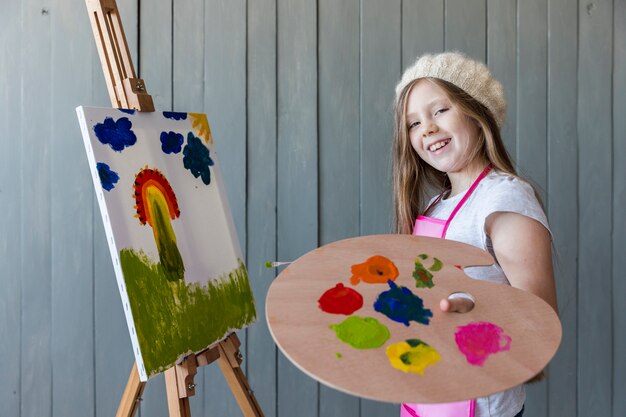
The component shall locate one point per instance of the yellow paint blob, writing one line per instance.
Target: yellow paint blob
(412, 355)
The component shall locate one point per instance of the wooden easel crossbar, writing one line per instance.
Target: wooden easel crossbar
(129, 92)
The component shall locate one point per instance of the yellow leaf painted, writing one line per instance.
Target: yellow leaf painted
(201, 125)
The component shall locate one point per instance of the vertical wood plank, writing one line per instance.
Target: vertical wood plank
(422, 29)
(297, 182)
(502, 60)
(466, 27)
(261, 187)
(338, 65)
(595, 376)
(10, 198)
(225, 105)
(113, 351)
(225, 97)
(36, 364)
(155, 51)
(532, 123)
(380, 71)
(619, 202)
(381, 60)
(188, 96)
(531, 95)
(189, 50)
(562, 196)
(71, 219)
(155, 64)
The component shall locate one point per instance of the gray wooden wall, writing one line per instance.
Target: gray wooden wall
(298, 94)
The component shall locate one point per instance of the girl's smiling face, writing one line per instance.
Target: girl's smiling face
(440, 133)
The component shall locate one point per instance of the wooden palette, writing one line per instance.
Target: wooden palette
(301, 329)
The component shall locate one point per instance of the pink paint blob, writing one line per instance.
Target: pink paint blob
(479, 340)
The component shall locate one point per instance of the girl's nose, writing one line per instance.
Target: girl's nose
(430, 129)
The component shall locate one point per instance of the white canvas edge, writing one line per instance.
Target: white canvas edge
(112, 246)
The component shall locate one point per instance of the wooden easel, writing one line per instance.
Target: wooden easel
(129, 92)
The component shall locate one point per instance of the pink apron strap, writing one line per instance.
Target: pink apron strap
(465, 197)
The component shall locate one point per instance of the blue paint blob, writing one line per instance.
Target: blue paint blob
(108, 177)
(175, 115)
(401, 305)
(117, 134)
(196, 158)
(127, 111)
(171, 142)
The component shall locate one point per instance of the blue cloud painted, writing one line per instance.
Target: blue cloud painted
(117, 134)
(108, 177)
(171, 142)
(196, 158)
(175, 115)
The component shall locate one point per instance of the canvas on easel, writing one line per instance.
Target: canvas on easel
(171, 236)
(156, 205)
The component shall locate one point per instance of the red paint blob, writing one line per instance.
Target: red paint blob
(340, 300)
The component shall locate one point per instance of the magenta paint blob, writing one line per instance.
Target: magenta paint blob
(478, 340)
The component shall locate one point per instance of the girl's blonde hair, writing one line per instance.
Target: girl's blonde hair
(413, 179)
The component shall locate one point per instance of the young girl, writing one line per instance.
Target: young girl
(448, 114)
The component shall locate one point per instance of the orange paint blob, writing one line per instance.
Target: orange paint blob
(376, 270)
(340, 300)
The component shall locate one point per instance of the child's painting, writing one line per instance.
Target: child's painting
(172, 239)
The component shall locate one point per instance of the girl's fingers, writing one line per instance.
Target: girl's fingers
(456, 305)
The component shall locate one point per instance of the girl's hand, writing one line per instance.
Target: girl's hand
(456, 305)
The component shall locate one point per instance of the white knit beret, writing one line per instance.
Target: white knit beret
(471, 76)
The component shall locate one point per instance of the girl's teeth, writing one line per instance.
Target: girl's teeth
(438, 145)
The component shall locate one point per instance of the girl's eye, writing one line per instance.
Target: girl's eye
(441, 111)
(414, 124)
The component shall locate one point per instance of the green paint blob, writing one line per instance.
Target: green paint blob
(339, 355)
(362, 332)
(423, 278)
(437, 265)
(164, 236)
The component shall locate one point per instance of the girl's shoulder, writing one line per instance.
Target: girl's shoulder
(504, 192)
(498, 183)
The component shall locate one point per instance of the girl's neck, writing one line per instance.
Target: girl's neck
(463, 179)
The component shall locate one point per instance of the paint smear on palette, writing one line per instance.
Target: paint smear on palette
(412, 355)
(376, 270)
(424, 277)
(362, 332)
(340, 300)
(156, 204)
(401, 305)
(478, 340)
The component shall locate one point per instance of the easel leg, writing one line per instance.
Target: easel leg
(229, 362)
(132, 394)
(177, 407)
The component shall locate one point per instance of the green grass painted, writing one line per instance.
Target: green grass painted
(174, 318)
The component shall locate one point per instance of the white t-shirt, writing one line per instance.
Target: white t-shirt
(495, 193)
